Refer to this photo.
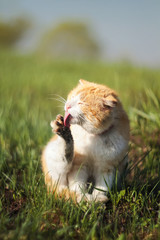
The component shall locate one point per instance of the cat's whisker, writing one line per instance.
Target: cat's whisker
(81, 118)
(60, 106)
(59, 97)
(60, 100)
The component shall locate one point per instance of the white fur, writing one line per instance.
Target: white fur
(111, 147)
(57, 167)
(97, 151)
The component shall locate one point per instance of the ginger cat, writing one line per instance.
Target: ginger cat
(91, 142)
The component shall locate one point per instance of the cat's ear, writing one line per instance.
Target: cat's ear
(110, 101)
(83, 82)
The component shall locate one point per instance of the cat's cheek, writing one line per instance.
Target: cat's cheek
(73, 121)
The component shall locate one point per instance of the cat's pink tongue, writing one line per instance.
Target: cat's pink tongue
(67, 118)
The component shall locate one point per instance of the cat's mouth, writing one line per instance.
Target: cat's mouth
(67, 118)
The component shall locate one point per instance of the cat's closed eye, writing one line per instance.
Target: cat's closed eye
(80, 102)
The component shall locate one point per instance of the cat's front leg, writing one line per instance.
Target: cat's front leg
(77, 180)
(57, 156)
(65, 133)
(104, 182)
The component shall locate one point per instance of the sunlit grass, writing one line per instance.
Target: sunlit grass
(26, 210)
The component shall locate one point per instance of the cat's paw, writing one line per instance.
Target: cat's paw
(59, 128)
(58, 124)
(101, 198)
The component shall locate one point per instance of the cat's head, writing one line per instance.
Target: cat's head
(92, 106)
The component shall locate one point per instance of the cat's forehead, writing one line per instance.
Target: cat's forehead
(89, 92)
(74, 96)
(76, 93)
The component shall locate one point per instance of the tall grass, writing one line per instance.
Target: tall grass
(26, 109)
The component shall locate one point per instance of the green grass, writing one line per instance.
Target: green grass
(26, 210)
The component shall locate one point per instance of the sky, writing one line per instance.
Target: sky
(125, 29)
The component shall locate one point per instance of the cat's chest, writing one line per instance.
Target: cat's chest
(87, 144)
(110, 148)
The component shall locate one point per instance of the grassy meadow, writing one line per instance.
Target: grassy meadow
(26, 109)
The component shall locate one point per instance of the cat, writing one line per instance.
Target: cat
(90, 144)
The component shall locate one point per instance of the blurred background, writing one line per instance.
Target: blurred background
(46, 46)
(78, 30)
